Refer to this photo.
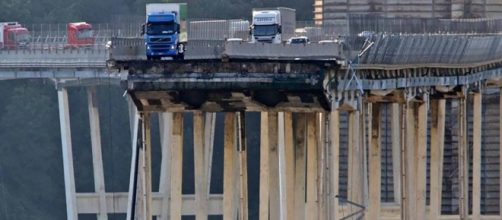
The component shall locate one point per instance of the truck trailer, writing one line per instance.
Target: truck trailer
(273, 25)
(165, 30)
(218, 30)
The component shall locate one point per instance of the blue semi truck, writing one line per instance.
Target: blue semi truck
(165, 30)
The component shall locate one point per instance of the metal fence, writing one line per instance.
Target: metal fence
(358, 23)
(55, 36)
(433, 49)
(82, 57)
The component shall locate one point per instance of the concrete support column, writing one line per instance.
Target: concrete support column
(476, 156)
(415, 161)
(273, 165)
(209, 126)
(438, 112)
(165, 127)
(264, 167)
(243, 174)
(312, 200)
(321, 164)
(135, 155)
(69, 176)
(97, 159)
(355, 186)
(229, 167)
(147, 167)
(396, 149)
(500, 150)
(286, 165)
(199, 165)
(334, 160)
(176, 167)
(375, 164)
(300, 162)
(463, 159)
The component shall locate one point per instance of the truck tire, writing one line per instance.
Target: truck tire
(153, 58)
(181, 48)
(181, 52)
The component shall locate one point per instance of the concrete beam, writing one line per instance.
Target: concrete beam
(375, 163)
(300, 154)
(334, 158)
(165, 129)
(69, 176)
(88, 203)
(438, 112)
(476, 155)
(264, 167)
(97, 158)
(176, 206)
(229, 191)
(312, 202)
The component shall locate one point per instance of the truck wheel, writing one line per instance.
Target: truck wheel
(181, 52)
(181, 49)
(152, 58)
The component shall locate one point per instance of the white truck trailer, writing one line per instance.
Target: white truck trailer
(218, 29)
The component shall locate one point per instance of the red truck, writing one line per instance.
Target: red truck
(80, 34)
(13, 36)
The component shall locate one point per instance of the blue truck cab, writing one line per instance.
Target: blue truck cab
(162, 35)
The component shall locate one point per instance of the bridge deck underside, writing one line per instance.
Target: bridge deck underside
(227, 86)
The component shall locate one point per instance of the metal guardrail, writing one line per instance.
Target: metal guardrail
(54, 58)
(433, 50)
(376, 22)
(45, 36)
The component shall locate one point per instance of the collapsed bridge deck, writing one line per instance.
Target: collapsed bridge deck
(234, 85)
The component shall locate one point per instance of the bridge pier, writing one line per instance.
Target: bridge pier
(295, 146)
(334, 163)
(97, 158)
(463, 159)
(438, 111)
(78, 202)
(69, 176)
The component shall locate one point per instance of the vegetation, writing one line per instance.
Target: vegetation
(99, 11)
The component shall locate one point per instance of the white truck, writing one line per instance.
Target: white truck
(273, 25)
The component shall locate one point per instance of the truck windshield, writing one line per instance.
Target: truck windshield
(159, 28)
(265, 30)
(22, 37)
(85, 33)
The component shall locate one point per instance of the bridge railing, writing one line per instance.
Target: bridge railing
(54, 36)
(377, 22)
(54, 57)
(433, 49)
